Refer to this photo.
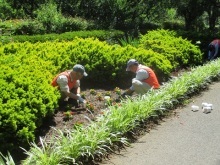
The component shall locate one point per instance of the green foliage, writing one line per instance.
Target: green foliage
(8, 27)
(74, 24)
(129, 41)
(29, 27)
(115, 14)
(180, 52)
(110, 36)
(48, 15)
(191, 10)
(6, 11)
(173, 25)
(26, 96)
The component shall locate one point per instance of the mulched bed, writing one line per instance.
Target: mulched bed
(69, 116)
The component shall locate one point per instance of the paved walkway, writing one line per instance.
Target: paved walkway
(190, 138)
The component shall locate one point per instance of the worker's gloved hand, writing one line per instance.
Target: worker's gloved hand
(82, 101)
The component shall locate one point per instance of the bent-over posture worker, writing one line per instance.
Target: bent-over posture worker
(145, 78)
(213, 49)
(68, 83)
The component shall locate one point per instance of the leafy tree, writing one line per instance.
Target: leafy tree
(6, 11)
(212, 8)
(27, 6)
(49, 16)
(191, 10)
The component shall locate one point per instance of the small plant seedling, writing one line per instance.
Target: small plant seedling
(90, 106)
(99, 97)
(92, 92)
(117, 90)
(83, 95)
(109, 102)
(68, 114)
(108, 93)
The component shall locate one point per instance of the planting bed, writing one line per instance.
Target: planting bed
(69, 116)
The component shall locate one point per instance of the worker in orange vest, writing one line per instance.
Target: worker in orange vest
(213, 49)
(145, 78)
(68, 83)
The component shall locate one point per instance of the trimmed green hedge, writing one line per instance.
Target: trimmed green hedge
(102, 35)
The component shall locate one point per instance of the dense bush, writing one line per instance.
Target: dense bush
(29, 27)
(26, 97)
(180, 52)
(174, 25)
(6, 11)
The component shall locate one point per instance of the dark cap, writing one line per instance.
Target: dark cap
(80, 68)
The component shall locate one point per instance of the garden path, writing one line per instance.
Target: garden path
(189, 138)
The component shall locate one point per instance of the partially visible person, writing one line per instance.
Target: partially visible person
(68, 83)
(213, 49)
(145, 78)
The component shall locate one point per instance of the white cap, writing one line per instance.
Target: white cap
(131, 62)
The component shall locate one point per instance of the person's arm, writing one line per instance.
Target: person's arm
(62, 81)
(142, 75)
(71, 95)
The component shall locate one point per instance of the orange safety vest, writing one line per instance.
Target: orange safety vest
(71, 84)
(152, 79)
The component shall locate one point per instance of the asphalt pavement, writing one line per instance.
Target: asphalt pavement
(188, 138)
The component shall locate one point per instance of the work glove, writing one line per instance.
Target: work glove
(81, 101)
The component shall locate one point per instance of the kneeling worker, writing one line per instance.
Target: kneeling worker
(145, 78)
(213, 49)
(68, 83)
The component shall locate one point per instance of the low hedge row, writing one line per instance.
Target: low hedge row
(102, 35)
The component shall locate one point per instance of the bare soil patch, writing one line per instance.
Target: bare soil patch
(66, 117)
